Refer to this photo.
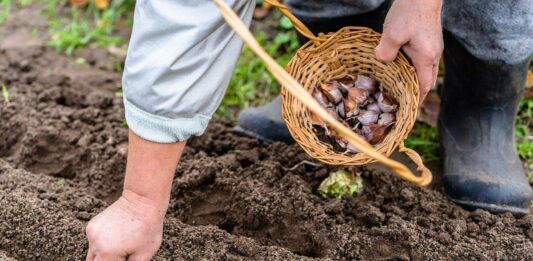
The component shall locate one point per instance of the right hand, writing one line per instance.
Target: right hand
(414, 26)
(130, 229)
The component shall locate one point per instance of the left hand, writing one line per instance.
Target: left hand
(414, 26)
(130, 229)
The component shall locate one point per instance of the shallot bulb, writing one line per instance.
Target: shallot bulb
(373, 107)
(385, 104)
(358, 95)
(368, 117)
(385, 119)
(319, 97)
(374, 133)
(344, 88)
(332, 92)
(367, 83)
(342, 142)
(340, 109)
(361, 104)
(349, 107)
(351, 148)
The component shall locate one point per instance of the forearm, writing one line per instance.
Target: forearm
(150, 170)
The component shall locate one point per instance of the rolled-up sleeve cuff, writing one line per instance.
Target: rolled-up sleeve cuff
(161, 129)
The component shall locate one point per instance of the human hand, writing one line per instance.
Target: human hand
(414, 26)
(130, 229)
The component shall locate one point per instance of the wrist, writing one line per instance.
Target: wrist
(142, 206)
(150, 171)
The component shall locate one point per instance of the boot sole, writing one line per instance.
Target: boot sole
(240, 130)
(471, 205)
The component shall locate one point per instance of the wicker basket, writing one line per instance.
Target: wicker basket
(329, 57)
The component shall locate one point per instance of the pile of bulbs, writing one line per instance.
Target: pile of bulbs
(361, 104)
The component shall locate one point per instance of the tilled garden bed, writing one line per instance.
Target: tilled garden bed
(63, 151)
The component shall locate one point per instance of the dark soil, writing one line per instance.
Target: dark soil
(62, 159)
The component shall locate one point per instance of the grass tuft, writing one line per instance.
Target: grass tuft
(77, 30)
(5, 10)
(5, 93)
(252, 84)
(425, 140)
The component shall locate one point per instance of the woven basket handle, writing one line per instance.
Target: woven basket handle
(291, 85)
(415, 157)
(298, 25)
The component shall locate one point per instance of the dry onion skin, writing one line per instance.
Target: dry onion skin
(361, 104)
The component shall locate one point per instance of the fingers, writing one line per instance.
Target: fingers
(425, 78)
(147, 252)
(90, 255)
(109, 258)
(140, 257)
(390, 44)
(426, 62)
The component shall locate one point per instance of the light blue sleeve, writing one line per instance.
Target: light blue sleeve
(180, 60)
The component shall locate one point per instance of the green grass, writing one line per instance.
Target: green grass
(424, 139)
(524, 129)
(5, 10)
(252, 84)
(77, 29)
(6, 6)
(5, 93)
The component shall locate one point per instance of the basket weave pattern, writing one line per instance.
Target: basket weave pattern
(330, 57)
(348, 51)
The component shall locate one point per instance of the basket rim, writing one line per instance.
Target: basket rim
(329, 42)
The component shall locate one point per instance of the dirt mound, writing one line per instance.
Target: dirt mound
(62, 158)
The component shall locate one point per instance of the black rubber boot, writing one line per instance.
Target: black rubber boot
(476, 124)
(266, 123)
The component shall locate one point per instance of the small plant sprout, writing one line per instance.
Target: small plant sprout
(339, 184)
(60, 181)
(80, 61)
(5, 93)
(285, 23)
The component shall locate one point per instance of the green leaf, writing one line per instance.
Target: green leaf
(285, 23)
(80, 60)
(339, 184)
(60, 181)
(281, 39)
(5, 93)
(525, 150)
